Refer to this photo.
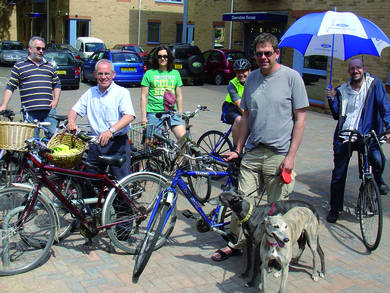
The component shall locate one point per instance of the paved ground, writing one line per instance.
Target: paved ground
(184, 264)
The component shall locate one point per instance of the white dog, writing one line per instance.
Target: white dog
(281, 232)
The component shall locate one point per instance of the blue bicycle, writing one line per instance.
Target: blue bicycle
(164, 209)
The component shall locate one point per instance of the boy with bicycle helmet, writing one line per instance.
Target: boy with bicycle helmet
(231, 111)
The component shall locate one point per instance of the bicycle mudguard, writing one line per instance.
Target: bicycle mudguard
(47, 199)
(124, 179)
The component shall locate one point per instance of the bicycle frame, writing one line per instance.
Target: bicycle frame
(103, 178)
(179, 182)
(226, 134)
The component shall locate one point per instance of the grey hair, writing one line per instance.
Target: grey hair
(104, 61)
(32, 39)
(266, 38)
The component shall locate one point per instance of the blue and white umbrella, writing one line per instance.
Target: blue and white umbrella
(335, 34)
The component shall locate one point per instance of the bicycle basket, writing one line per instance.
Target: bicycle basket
(14, 134)
(71, 160)
(138, 138)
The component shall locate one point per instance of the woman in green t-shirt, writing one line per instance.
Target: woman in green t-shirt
(156, 81)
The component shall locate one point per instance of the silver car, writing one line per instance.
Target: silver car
(11, 51)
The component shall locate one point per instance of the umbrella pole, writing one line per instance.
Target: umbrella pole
(331, 67)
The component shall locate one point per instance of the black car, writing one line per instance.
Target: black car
(64, 47)
(66, 66)
(188, 61)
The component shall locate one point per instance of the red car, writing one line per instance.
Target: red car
(132, 47)
(218, 66)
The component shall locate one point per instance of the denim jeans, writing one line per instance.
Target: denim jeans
(43, 116)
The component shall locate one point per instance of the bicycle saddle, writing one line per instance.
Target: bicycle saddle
(111, 160)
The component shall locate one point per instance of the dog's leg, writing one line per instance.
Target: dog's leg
(301, 245)
(249, 256)
(284, 277)
(322, 258)
(313, 247)
(256, 265)
(263, 274)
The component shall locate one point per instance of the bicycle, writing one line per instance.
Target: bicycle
(29, 220)
(153, 159)
(369, 202)
(167, 198)
(215, 143)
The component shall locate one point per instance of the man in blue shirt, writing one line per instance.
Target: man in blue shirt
(38, 84)
(109, 110)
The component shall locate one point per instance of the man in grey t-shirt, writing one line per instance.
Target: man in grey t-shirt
(271, 130)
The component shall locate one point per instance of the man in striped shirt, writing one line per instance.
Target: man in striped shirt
(38, 83)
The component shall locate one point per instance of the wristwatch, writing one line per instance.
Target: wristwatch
(112, 130)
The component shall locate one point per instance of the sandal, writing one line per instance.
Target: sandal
(221, 255)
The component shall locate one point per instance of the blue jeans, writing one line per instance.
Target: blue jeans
(339, 174)
(173, 120)
(43, 116)
(119, 146)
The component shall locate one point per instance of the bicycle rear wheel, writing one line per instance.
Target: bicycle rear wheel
(150, 240)
(370, 214)
(213, 143)
(26, 245)
(143, 188)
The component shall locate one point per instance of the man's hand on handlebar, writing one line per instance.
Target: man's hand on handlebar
(230, 156)
(387, 138)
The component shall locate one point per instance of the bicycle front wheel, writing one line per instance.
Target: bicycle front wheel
(200, 186)
(213, 143)
(145, 163)
(150, 240)
(143, 188)
(370, 214)
(24, 243)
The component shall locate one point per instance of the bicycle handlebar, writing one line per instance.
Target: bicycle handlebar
(354, 135)
(184, 115)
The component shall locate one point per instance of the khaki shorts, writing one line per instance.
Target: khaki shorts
(260, 167)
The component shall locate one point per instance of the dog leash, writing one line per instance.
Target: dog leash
(248, 215)
(272, 210)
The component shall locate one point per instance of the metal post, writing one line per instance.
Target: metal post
(47, 22)
(184, 35)
(231, 25)
(139, 23)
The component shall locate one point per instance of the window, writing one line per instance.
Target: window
(153, 33)
(179, 32)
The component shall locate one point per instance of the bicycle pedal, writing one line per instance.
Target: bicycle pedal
(188, 214)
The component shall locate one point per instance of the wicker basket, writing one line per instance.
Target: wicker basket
(67, 161)
(14, 134)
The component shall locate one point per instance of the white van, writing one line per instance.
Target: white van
(88, 45)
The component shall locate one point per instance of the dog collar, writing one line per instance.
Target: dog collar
(270, 243)
(272, 210)
(248, 215)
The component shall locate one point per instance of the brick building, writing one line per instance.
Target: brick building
(235, 23)
(143, 22)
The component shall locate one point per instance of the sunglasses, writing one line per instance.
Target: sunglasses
(40, 48)
(162, 56)
(266, 53)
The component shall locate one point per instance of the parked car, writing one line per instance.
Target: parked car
(66, 66)
(11, 51)
(128, 66)
(67, 47)
(88, 45)
(131, 47)
(188, 61)
(218, 66)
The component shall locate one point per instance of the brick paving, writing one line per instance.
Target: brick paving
(184, 264)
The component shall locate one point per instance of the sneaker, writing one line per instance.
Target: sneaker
(332, 216)
(383, 188)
